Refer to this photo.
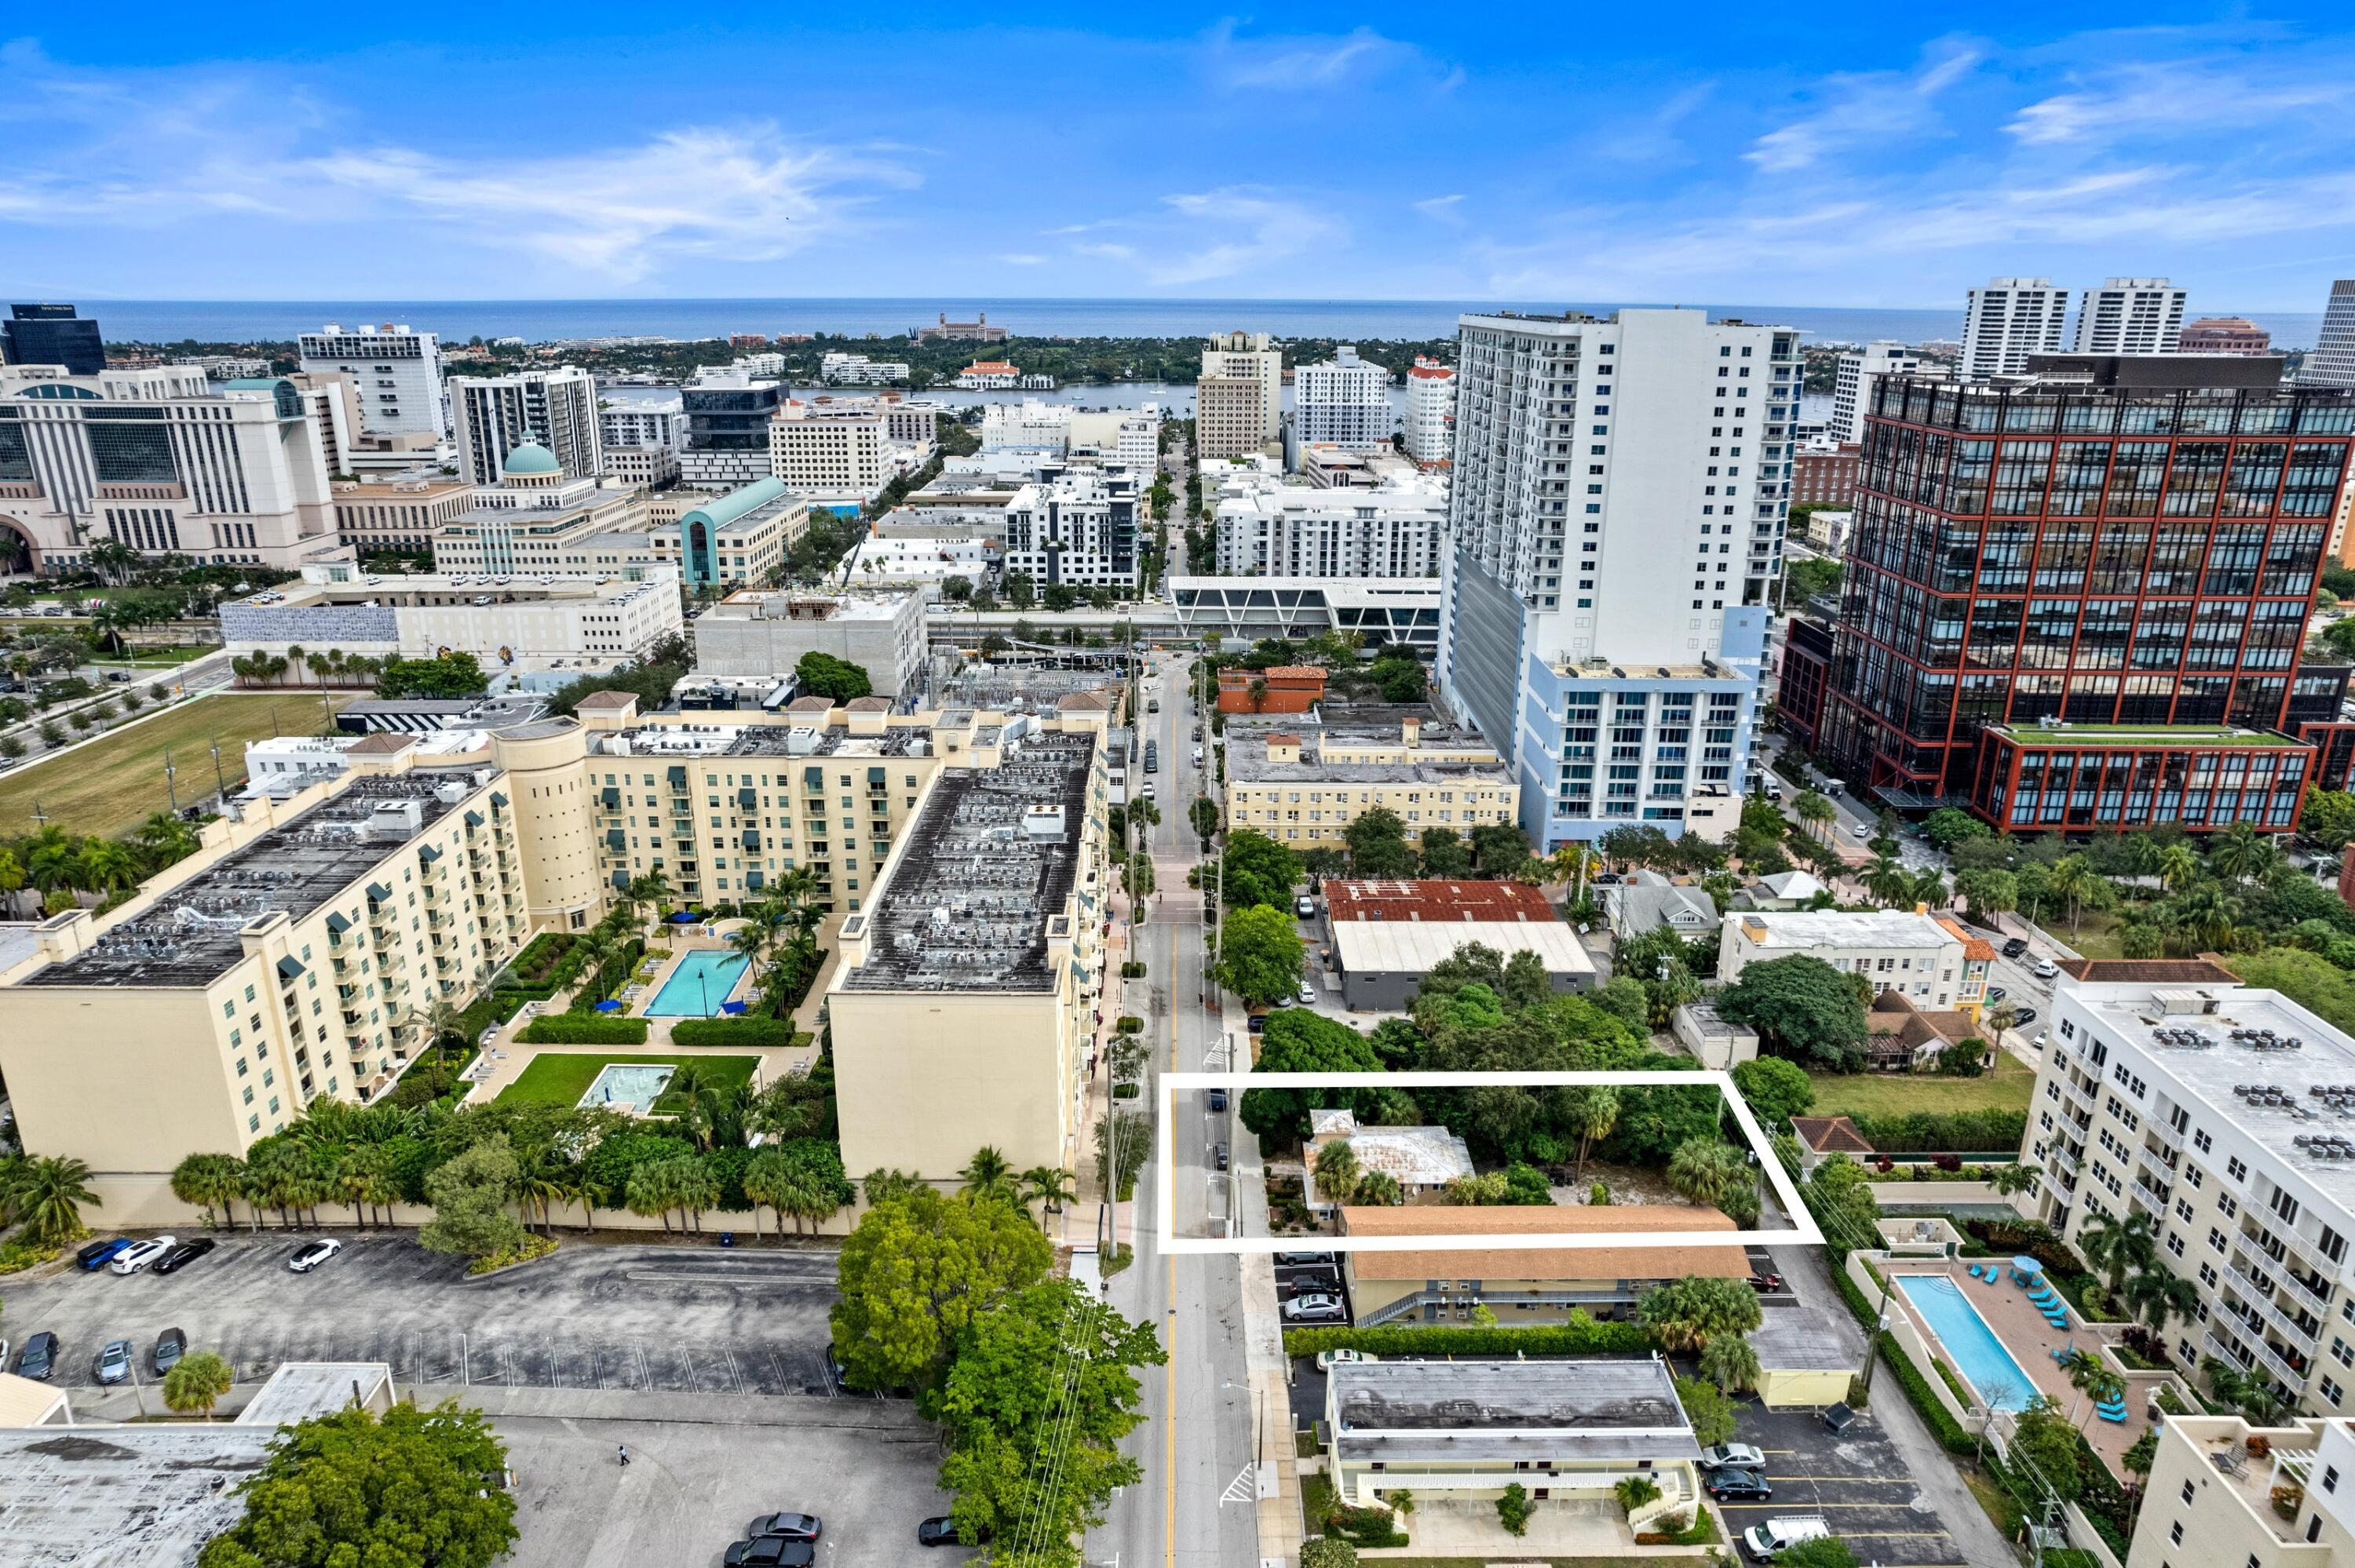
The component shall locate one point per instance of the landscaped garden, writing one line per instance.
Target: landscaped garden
(562, 1077)
(2006, 1088)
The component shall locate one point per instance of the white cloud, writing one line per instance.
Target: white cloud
(1443, 209)
(1864, 109)
(1022, 258)
(2181, 98)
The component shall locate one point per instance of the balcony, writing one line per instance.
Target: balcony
(2060, 1156)
(2076, 1096)
(2154, 1196)
(2274, 1242)
(2159, 1163)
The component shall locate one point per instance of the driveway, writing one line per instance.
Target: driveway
(693, 1319)
(1857, 1481)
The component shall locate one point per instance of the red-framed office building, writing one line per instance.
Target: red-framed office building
(2074, 599)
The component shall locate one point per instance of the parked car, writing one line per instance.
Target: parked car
(310, 1255)
(1218, 1156)
(2045, 969)
(1732, 1456)
(1327, 1360)
(1147, 791)
(1838, 1417)
(1997, 993)
(1304, 907)
(1218, 1100)
(771, 1552)
(1198, 732)
(1739, 1486)
(138, 1254)
(940, 1530)
(1777, 1535)
(1766, 1284)
(97, 1254)
(186, 1253)
(1859, 831)
(1304, 1259)
(800, 1526)
(2026, 1015)
(113, 1362)
(1302, 1308)
(39, 1358)
(170, 1346)
(1306, 995)
(1197, 757)
(2015, 946)
(1258, 1025)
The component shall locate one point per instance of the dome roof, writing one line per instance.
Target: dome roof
(530, 457)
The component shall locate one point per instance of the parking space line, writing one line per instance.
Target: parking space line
(735, 1378)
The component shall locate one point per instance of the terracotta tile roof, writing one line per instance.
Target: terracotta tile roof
(2203, 970)
(1728, 1262)
(1895, 1021)
(1831, 1135)
(1974, 946)
(1436, 900)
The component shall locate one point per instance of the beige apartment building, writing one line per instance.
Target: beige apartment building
(821, 451)
(1239, 401)
(2212, 1503)
(1303, 777)
(294, 956)
(963, 1003)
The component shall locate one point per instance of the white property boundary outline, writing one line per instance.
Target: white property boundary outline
(1806, 1233)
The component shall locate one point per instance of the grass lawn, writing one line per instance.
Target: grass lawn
(110, 785)
(1899, 1094)
(158, 656)
(562, 1077)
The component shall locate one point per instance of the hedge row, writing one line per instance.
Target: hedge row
(748, 1032)
(583, 1029)
(1588, 1338)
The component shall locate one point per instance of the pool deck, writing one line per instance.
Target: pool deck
(2032, 1341)
(659, 966)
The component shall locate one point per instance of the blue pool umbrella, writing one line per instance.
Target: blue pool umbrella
(2027, 1266)
(685, 917)
(732, 1008)
(608, 1007)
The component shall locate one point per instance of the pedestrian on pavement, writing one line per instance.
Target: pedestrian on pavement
(626, 1456)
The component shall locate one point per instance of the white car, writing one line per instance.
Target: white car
(1147, 792)
(1732, 1456)
(1304, 907)
(138, 1254)
(1307, 995)
(1859, 831)
(1327, 1360)
(310, 1255)
(1197, 757)
(2045, 969)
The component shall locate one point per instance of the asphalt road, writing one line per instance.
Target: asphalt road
(679, 1319)
(1859, 1482)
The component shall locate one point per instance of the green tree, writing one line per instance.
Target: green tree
(2119, 1246)
(1708, 1171)
(1298, 1041)
(470, 1193)
(1258, 870)
(1684, 1315)
(1801, 1005)
(1378, 845)
(450, 675)
(1261, 954)
(196, 1383)
(1730, 1362)
(1337, 1171)
(1046, 1369)
(1824, 1551)
(988, 1178)
(1128, 1135)
(1707, 1408)
(1204, 816)
(1948, 827)
(824, 675)
(413, 1489)
(916, 1273)
(213, 1183)
(1776, 1090)
(48, 1193)
(1591, 1111)
(2046, 1441)
(1328, 1551)
(1445, 853)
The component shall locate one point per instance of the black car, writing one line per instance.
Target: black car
(800, 1526)
(39, 1357)
(1218, 1099)
(771, 1552)
(2016, 947)
(1258, 1025)
(2022, 1017)
(940, 1530)
(180, 1256)
(170, 1346)
(1739, 1486)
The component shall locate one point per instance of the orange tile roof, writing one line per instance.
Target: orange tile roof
(1728, 1262)
(1436, 900)
(1974, 947)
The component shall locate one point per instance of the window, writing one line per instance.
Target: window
(2186, 1497)
(2203, 1142)
(2331, 1392)
(2330, 1478)
(2175, 1531)
(2216, 1240)
(2234, 1169)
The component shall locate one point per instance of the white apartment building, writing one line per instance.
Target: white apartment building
(858, 370)
(828, 455)
(2006, 321)
(1238, 400)
(1029, 426)
(757, 634)
(2211, 1502)
(1130, 438)
(1912, 954)
(2222, 1112)
(1430, 411)
(506, 622)
(396, 370)
(2332, 362)
(1859, 371)
(759, 366)
(1343, 401)
(1078, 528)
(924, 559)
(1592, 457)
(1270, 529)
(2131, 315)
(654, 422)
(163, 460)
(642, 468)
(492, 415)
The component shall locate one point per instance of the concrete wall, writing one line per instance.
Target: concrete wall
(1802, 1390)
(925, 1078)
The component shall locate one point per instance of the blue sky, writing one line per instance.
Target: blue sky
(1831, 153)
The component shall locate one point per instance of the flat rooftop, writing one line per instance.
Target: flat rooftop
(192, 934)
(2225, 1066)
(1801, 929)
(763, 604)
(988, 862)
(1589, 1409)
(1512, 1260)
(1407, 946)
(1248, 761)
(673, 742)
(2168, 736)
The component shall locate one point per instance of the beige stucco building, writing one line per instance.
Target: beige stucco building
(1520, 1283)
(1303, 778)
(2211, 1502)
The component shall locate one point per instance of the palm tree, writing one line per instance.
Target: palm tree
(53, 859)
(1887, 880)
(1048, 1186)
(1379, 1189)
(1930, 887)
(1594, 1111)
(1730, 1362)
(2092, 1379)
(212, 1183)
(2020, 1178)
(769, 1179)
(2206, 913)
(581, 1189)
(2003, 1017)
(988, 1178)
(652, 1191)
(1814, 811)
(1337, 1171)
(2236, 853)
(2071, 877)
(540, 1184)
(697, 1189)
(2178, 862)
(49, 1193)
(197, 1383)
(2119, 1248)
(1708, 1172)
(2157, 1294)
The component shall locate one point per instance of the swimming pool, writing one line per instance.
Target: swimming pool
(1990, 1369)
(699, 984)
(622, 1087)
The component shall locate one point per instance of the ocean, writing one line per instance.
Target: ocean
(545, 321)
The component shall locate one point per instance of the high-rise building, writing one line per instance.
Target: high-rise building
(396, 374)
(1592, 459)
(2126, 544)
(1343, 401)
(2131, 315)
(2332, 361)
(51, 334)
(1853, 381)
(728, 416)
(1430, 411)
(1268, 528)
(162, 460)
(2006, 321)
(1239, 401)
(492, 415)
(2224, 335)
(829, 456)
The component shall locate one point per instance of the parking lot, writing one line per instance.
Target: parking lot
(1857, 1481)
(1314, 1279)
(682, 1319)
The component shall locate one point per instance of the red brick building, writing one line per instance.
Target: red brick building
(1289, 689)
(1825, 478)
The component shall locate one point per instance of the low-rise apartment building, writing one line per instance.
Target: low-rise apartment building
(1525, 1284)
(765, 633)
(506, 622)
(2220, 1111)
(1303, 779)
(1078, 528)
(1912, 954)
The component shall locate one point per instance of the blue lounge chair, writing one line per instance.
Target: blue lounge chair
(1975, 1271)
(2115, 1417)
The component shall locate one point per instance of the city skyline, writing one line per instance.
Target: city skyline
(1889, 162)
